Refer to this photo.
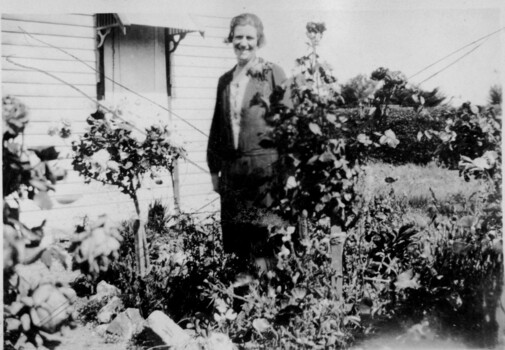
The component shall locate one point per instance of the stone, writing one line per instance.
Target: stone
(167, 330)
(110, 310)
(101, 329)
(125, 325)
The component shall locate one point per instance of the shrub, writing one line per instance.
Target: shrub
(183, 253)
(193, 281)
(468, 132)
(121, 147)
(292, 306)
(34, 301)
(406, 123)
(451, 268)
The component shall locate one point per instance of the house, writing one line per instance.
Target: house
(163, 58)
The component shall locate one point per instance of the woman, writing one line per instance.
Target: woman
(240, 156)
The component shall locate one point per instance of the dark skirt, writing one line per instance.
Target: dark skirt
(245, 185)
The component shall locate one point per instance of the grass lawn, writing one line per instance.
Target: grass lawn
(413, 186)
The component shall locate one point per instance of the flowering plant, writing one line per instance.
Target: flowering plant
(315, 32)
(121, 147)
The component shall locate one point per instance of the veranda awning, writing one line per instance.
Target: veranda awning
(176, 23)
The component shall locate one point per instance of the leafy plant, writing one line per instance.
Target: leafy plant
(321, 154)
(358, 90)
(95, 246)
(32, 304)
(34, 301)
(470, 132)
(292, 306)
(455, 268)
(121, 148)
(183, 254)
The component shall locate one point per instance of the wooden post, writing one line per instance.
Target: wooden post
(174, 174)
(303, 225)
(337, 253)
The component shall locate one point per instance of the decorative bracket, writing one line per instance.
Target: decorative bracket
(174, 42)
(102, 34)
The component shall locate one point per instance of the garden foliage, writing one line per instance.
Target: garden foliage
(34, 300)
(451, 267)
(321, 149)
(389, 262)
(30, 303)
(183, 254)
(122, 145)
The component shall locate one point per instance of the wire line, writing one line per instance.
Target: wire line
(452, 63)
(456, 51)
(117, 83)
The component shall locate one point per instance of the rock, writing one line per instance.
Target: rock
(110, 310)
(167, 330)
(126, 324)
(101, 329)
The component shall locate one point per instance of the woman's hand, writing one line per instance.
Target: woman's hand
(215, 182)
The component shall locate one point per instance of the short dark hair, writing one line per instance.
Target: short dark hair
(245, 19)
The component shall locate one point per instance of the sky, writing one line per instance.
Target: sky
(388, 34)
(361, 35)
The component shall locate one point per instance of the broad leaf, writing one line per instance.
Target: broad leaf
(261, 324)
(364, 139)
(315, 128)
(46, 153)
(332, 118)
(389, 138)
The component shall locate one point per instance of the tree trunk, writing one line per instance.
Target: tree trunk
(140, 242)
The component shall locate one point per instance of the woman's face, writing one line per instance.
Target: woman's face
(245, 43)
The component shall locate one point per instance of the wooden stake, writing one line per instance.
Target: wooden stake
(337, 253)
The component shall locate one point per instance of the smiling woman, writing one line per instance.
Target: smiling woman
(241, 159)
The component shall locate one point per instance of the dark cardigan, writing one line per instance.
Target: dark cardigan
(220, 145)
(246, 173)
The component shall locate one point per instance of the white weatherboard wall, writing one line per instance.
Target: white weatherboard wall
(50, 101)
(197, 65)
